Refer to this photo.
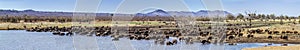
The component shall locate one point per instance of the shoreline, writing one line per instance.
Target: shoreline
(294, 47)
(264, 40)
(254, 40)
(234, 35)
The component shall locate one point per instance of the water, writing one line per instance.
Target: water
(22, 40)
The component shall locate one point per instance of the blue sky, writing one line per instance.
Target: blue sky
(279, 7)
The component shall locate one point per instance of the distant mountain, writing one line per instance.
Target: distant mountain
(33, 13)
(160, 12)
(157, 12)
(42, 13)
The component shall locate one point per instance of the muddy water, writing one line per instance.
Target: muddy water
(22, 40)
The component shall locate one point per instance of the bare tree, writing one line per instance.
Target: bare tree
(299, 19)
(281, 18)
(230, 17)
(240, 17)
(273, 17)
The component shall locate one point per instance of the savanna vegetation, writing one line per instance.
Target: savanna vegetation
(247, 20)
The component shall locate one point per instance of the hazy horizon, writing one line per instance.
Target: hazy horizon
(278, 7)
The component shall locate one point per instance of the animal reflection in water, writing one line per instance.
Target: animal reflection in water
(165, 37)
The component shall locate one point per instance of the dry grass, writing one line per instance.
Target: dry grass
(5, 26)
(296, 47)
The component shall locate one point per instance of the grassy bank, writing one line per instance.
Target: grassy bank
(7, 26)
(273, 24)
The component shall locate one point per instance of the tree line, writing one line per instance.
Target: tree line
(27, 18)
(241, 17)
(261, 17)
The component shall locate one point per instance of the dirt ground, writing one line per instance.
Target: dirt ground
(295, 47)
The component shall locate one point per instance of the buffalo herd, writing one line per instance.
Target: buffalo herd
(160, 36)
